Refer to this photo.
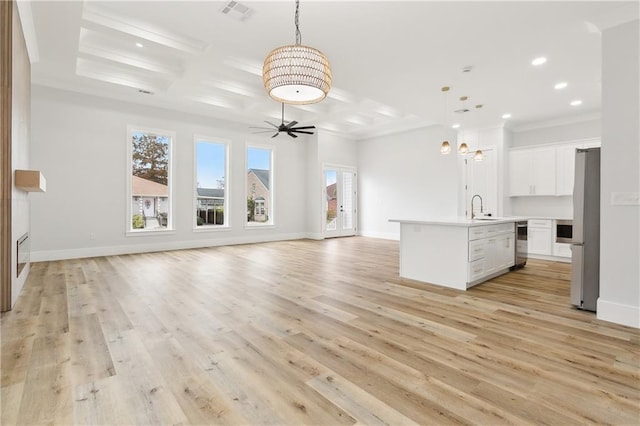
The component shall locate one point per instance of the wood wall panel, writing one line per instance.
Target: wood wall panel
(6, 28)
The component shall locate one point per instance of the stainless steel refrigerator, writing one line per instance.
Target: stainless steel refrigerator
(585, 244)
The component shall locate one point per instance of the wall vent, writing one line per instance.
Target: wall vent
(236, 10)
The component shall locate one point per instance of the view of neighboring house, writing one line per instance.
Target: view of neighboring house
(210, 206)
(332, 205)
(258, 192)
(150, 200)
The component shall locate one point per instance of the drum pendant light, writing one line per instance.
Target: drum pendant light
(297, 74)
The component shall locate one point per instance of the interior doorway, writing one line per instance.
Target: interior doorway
(339, 201)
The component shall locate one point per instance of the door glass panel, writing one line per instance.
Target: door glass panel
(347, 200)
(331, 206)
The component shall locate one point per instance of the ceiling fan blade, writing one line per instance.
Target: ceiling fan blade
(301, 131)
(262, 131)
(268, 122)
(291, 124)
(276, 134)
(305, 127)
(292, 135)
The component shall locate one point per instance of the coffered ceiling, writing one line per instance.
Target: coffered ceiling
(389, 58)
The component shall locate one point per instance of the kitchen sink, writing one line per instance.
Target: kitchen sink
(487, 218)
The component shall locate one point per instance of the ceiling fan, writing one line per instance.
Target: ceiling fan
(289, 128)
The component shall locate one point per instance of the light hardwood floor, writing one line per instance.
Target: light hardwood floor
(306, 332)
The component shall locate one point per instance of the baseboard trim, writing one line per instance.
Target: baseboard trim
(618, 313)
(382, 235)
(78, 253)
(551, 258)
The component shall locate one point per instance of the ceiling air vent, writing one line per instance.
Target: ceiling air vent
(236, 10)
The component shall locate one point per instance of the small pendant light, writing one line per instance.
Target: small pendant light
(445, 148)
(478, 156)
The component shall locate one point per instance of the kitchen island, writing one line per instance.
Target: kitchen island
(457, 252)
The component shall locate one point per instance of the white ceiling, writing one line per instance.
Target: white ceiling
(389, 58)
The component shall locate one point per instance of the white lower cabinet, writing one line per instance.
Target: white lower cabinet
(562, 250)
(491, 250)
(539, 236)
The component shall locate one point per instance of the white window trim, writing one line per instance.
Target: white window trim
(129, 232)
(272, 214)
(227, 187)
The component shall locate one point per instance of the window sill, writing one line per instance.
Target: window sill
(259, 226)
(144, 233)
(212, 228)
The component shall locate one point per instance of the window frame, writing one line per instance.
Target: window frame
(272, 210)
(170, 229)
(227, 208)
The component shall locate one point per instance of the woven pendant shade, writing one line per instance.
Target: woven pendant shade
(296, 74)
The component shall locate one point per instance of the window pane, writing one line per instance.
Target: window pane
(150, 180)
(259, 192)
(332, 199)
(210, 183)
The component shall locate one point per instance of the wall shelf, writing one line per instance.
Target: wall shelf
(30, 181)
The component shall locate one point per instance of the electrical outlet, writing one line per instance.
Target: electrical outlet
(625, 199)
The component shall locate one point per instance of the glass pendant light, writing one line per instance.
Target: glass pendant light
(445, 148)
(478, 156)
(463, 149)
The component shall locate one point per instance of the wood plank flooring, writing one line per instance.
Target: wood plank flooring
(306, 332)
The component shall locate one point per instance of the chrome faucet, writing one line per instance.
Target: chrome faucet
(481, 208)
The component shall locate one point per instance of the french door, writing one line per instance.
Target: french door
(340, 201)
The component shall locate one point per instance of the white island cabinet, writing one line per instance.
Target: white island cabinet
(457, 253)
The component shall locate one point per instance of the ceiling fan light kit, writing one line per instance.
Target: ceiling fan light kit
(297, 74)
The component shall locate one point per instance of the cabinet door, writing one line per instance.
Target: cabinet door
(539, 240)
(565, 169)
(506, 251)
(543, 171)
(490, 255)
(519, 173)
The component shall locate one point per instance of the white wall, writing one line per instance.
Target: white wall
(620, 225)
(80, 141)
(587, 128)
(404, 176)
(20, 117)
(550, 207)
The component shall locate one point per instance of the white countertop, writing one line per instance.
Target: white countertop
(460, 221)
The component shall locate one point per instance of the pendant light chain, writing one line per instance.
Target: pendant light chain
(297, 22)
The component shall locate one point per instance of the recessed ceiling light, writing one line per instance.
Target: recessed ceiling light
(576, 102)
(539, 61)
(560, 85)
(455, 126)
(138, 44)
(505, 116)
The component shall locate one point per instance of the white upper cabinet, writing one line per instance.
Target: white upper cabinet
(547, 170)
(565, 168)
(532, 172)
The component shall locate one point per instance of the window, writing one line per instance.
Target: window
(149, 172)
(259, 186)
(211, 189)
